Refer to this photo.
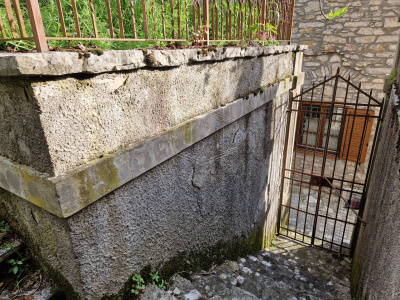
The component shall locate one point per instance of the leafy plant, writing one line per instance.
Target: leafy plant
(392, 77)
(198, 36)
(17, 265)
(326, 277)
(156, 281)
(266, 35)
(138, 285)
(4, 226)
(332, 15)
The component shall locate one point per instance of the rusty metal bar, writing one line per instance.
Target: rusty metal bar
(61, 17)
(325, 155)
(110, 22)
(35, 18)
(93, 18)
(134, 20)
(20, 20)
(76, 20)
(171, 3)
(305, 212)
(335, 162)
(3, 32)
(120, 20)
(349, 204)
(154, 19)
(206, 18)
(146, 30)
(314, 152)
(10, 17)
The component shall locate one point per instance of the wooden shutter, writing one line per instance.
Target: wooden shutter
(356, 138)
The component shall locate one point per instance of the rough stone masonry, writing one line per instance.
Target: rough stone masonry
(109, 164)
(362, 42)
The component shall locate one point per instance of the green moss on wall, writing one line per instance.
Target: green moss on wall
(239, 247)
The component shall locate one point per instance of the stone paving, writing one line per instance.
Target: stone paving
(328, 230)
(288, 270)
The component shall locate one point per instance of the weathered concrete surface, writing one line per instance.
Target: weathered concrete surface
(216, 181)
(84, 117)
(68, 193)
(376, 268)
(220, 188)
(65, 63)
(362, 41)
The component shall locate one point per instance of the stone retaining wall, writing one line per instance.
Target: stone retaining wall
(362, 42)
(151, 165)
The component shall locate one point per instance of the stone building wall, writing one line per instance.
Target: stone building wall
(362, 42)
(376, 264)
(143, 164)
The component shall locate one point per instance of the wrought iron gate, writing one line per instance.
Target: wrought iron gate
(327, 162)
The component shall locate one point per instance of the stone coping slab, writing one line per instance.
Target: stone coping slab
(64, 63)
(68, 193)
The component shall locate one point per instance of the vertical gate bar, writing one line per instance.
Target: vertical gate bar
(187, 21)
(194, 14)
(11, 20)
(3, 32)
(314, 155)
(336, 156)
(289, 34)
(120, 20)
(355, 165)
(222, 20)
(20, 20)
(154, 19)
(134, 19)
(376, 141)
(178, 8)
(76, 20)
(61, 17)
(35, 18)
(285, 149)
(212, 20)
(348, 150)
(110, 22)
(93, 18)
(171, 3)
(146, 30)
(206, 16)
(198, 14)
(304, 160)
(325, 155)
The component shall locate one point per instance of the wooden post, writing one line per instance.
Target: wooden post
(37, 25)
(206, 17)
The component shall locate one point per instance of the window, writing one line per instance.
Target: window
(313, 131)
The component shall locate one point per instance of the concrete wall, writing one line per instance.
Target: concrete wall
(187, 168)
(376, 266)
(362, 41)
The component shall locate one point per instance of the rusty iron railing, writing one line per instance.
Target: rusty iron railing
(145, 20)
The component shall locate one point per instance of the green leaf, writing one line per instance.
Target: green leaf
(15, 270)
(20, 263)
(347, 260)
(24, 259)
(272, 28)
(340, 12)
(336, 14)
